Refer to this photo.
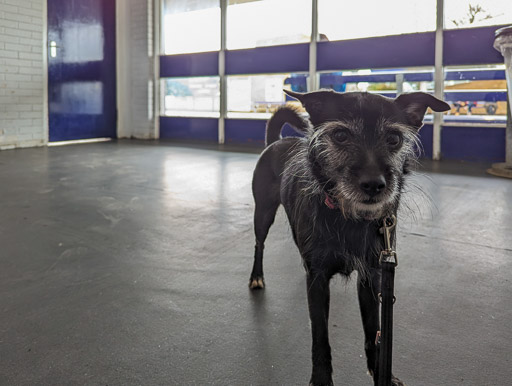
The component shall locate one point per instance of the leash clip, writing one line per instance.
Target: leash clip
(388, 255)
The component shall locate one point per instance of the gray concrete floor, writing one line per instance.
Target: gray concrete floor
(127, 263)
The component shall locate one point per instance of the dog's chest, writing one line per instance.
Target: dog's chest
(324, 234)
(339, 235)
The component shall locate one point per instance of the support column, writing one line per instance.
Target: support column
(438, 80)
(135, 62)
(313, 76)
(222, 71)
(157, 51)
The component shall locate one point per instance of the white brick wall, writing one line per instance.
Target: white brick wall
(21, 73)
(135, 69)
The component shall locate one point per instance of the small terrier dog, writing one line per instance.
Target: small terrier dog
(336, 184)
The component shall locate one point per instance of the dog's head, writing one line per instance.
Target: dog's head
(361, 143)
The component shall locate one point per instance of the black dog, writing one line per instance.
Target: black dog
(336, 184)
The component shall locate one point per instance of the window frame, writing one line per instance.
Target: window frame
(441, 48)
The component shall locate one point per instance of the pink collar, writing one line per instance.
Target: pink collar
(328, 202)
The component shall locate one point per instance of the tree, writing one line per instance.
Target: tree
(475, 14)
(177, 88)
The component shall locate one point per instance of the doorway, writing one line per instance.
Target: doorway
(81, 69)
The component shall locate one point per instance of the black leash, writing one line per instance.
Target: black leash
(388, 261)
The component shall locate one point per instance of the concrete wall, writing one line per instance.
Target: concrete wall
(135, 66)
(22, 82)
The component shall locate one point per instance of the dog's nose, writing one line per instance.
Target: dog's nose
(372, 185)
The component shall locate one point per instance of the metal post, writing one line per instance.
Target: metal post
(222, 71)
(313, 76)
(157, 51)
(508, 139)
(438, 80)
(122, 69)
(399, 79)
(46, 130)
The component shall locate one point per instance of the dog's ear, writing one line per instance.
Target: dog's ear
(297, 95)
(415, 106)
(314, 102)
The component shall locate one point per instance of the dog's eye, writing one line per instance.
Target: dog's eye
(341, 136)
(394, 139)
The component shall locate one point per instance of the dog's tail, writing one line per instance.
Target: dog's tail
(285, 114)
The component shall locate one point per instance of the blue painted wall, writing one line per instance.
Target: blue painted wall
(426, 135)
(473, 143)
(288, 58)
(245, 131)
(464, 143)
(201, 64)
(378, 52)
(199, 129)
(251, 131)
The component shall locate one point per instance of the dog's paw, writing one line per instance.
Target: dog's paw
(394, 380)
(321, 379)
(256, 283)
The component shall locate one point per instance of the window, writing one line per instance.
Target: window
(476, 13)
(191, 26)
(193, 97)
(258, 96)
(256, 23)
(386, 82)
(476, 94)
(90, 46)
(345, 19)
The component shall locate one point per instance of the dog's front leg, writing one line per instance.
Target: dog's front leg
(367, 290)
(318, 302)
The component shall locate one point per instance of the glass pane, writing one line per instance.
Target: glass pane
(91, 40)
(192, 97)
(259, 96)
(387, 82)
(191, 26)
(252, 23)
(476, 94)
(346, 19)
(476, 13)
(78, 98)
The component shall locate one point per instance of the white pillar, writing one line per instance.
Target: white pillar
(313, 76)
(222, 71)
(438, 81)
